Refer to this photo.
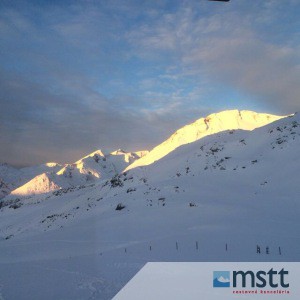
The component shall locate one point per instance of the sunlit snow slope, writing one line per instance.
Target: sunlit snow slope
(12, 178)
(214, 123)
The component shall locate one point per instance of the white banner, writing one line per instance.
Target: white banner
(212, 281)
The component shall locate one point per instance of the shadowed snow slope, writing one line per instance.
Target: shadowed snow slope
(214, 123)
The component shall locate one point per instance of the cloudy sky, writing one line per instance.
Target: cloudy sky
(76, 76)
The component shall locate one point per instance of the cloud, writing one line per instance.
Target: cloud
(231, 49)
(51, 80)
(81, 75)
(268, 72)
(37, 125)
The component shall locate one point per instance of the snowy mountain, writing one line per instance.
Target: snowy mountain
(12, 178)
(87, 170)
(99, 165)
(214, 199)
(214, 123)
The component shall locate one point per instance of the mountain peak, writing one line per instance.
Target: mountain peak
(51, 164)
(117, 152)
(213, 123)
(93, 154)
(234, 119)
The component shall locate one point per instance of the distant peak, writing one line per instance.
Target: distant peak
(119, 151)
(99, 152)
(51, 164)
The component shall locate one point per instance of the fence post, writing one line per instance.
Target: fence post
(257, 249)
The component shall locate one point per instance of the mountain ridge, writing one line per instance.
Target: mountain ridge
(87, 170)
(213, 123)
(98, 165)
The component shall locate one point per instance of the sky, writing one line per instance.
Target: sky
(76, 76)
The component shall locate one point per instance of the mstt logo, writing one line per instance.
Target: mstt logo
(221, 279)
(260, 279)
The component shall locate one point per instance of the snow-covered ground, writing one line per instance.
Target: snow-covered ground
(214, 199)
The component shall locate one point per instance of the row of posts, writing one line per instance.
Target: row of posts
(258, 248)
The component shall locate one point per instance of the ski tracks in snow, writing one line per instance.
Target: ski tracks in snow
(94, 285)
